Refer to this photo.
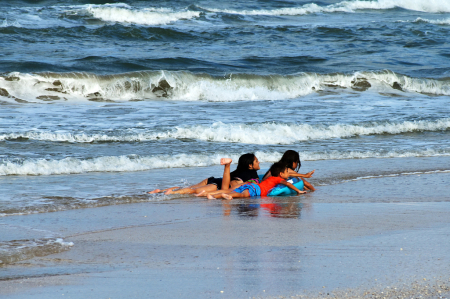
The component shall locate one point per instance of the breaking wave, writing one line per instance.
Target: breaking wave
(81, 15)
(187, 86)
(138, 163)
(437, 22)
(265, 133)
(148, 16)
(347, 6)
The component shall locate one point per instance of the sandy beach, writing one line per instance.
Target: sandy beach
(103, 101)
(386, 236)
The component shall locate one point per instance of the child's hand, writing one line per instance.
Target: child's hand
(309, 174)
(301, 192)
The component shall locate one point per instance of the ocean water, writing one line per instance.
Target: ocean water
(100, 101)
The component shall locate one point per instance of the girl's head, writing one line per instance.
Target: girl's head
(248, 161)
(292, 160)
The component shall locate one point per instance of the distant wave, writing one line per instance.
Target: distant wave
(148, 16)
(417, 5)
(80, 15)
(346, 6)
(437, 22)
(136, 163)
(187, 86)
(6, 23)
(265, 133)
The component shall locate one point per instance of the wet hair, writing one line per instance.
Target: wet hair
(289, 157)
(244, 162)
(278, 168)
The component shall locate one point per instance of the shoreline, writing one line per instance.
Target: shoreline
(291, 246)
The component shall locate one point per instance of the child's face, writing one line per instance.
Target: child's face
(255, 165)
(284, 174)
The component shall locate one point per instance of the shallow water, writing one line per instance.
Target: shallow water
(101, 102)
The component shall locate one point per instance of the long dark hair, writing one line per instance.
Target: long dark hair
(244, 161)
(289, 157)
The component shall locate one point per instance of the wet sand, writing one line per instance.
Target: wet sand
(385, 239)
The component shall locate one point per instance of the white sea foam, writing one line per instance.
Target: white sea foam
(135, 163)
(273, 133)
(289, 11)
(185, 86)
(265, 133)
(106, 164)
(419, 85)
(437, 22)
(37, 17)
(18, 250)
(6, 23)
(150, 16)
(433, 6)
(395, 175)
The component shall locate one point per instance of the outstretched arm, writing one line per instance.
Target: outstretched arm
(299, 175)
(292, 187)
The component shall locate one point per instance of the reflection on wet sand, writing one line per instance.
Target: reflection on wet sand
(266, 207)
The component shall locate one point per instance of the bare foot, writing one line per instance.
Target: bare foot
(225, 161)
(154, 191)
(209, 196)
(201, 193)
(226, 196)
(170, 190)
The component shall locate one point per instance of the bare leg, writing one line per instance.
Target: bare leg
(190, 190)
(187, 190)
(170, 190)
(308, 185)
(234, 184)
(154, 191)
(227, 196)
(226, 173)
(202, 193)
(201, 184)
(205, 189)
(181, 191)
(163, 190)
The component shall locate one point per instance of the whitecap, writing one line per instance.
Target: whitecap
(149, 16)
(186, 86)
(264, 133)
(140, 163)
(433, 6)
